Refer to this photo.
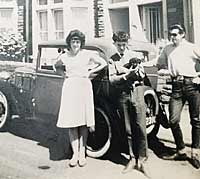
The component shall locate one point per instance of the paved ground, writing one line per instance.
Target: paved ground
(30, 151)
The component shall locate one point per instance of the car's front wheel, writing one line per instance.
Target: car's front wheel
(99, 141)
(4, 110)
(151, 102)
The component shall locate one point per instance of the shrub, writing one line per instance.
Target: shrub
(12, 47)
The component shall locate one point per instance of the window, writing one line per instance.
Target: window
(5, 17)
(42, 2)
(58, 1)
(153, 23)
(43, 20)
(58, 21)
(48, 58)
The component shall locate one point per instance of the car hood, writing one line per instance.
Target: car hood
(141, 45)
(26, 69)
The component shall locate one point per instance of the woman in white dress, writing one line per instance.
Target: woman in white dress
(77, 105)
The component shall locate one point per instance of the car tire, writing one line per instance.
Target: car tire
(4, 111)
(99, 141)
(152, 106)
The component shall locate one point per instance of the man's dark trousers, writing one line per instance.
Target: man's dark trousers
(183, 91)
(132, 109)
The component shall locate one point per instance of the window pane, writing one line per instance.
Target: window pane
(42, 2)
(58, 1)
(44, 36)
(58, 17)
(43, 21)
(6, 13)
(48, 58)
(59, 35)
(5, 17)
(58, 20)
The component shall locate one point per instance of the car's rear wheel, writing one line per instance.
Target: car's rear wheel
(99, 141)
(4, 110)
(152, 125)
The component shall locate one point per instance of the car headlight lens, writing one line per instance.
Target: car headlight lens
(5, 75)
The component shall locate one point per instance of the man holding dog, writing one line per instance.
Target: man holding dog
(126, 76)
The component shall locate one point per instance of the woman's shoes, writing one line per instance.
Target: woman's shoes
(82, 162)
(73, 162)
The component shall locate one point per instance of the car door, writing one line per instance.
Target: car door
(48, 85)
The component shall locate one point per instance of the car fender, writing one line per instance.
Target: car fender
(8, 90)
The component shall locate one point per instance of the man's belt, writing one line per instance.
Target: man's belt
(181, 78)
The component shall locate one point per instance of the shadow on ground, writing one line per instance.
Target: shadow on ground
(159, 148)
(155, 144)
(45, 134)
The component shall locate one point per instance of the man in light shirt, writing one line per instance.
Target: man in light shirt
(179, 59)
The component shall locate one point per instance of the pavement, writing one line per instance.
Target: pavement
(32, 150)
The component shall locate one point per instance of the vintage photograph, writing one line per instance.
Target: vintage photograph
(99, 89)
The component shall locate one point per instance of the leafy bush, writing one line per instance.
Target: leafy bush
(12, 47)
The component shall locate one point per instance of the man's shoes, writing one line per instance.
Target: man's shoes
(129, 167)
(144, 168)
(195, 158)
(177, 157)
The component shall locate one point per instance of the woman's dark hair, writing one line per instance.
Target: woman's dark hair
(120, 36)
(78, 34)
(178, 26)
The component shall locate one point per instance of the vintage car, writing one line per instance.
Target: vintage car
(34, 91)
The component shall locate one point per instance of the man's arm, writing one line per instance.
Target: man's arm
(113, 76)
(162, 63)
(162, 60)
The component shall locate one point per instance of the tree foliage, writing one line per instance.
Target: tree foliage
(12, 47)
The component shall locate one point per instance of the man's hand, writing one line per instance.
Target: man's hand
(92, 129)
(196, 80)
(132, 75)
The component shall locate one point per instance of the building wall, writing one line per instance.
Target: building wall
(54, 20)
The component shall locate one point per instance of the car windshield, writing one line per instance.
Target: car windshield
(50, 55)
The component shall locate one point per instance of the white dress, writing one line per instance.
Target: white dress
(77, 104)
